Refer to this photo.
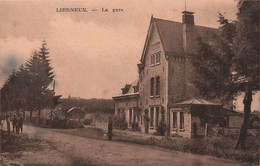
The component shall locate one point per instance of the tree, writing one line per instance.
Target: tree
(41, 75)
(8, 93)
(228, 65)
(246, 59)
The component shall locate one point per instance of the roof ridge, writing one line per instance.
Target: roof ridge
(195, 25)
(166, 20)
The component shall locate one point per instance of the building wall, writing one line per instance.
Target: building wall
(190, 74)
(176, 79)
(124, 105)
(186, 131)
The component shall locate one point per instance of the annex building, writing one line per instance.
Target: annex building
(164, 91)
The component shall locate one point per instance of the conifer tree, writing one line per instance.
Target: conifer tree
(41, 75)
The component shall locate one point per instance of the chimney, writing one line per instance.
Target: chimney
(188, 32)
(188, 17)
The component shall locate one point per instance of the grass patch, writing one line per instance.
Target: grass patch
(219, 146)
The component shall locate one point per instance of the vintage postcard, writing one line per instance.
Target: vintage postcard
(126, 83)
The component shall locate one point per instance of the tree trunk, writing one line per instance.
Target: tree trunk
(39, 115)
(247, 110)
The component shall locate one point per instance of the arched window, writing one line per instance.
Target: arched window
(152, 87)
(157, 93)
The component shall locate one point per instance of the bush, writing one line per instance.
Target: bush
(56, 123)
(135, 127)
(71, 124)
(119, 123)
(87, 121)
(161, 128)
(217, 146)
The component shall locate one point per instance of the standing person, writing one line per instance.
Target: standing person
(14, 122)
(20, 123)
(110, 128)
(8, 124)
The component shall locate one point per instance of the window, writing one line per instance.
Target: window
(155, 58)
(134, 113)
(158, 58)
(152, 117)
(157, 93)
(174, 120)
(123, 114)
(119, 113)
(130, 116)
(181, 120)
(152, 60)
(152, 87)
(157, 117)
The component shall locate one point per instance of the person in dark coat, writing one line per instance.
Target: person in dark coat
(20, 123)
(110, 128)
(14, 122)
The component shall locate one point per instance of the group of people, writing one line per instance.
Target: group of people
(17, 123)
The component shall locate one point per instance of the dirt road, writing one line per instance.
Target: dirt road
(73, 150)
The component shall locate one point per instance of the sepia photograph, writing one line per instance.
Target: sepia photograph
(129, 83)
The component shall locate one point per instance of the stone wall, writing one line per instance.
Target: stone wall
(176, 77)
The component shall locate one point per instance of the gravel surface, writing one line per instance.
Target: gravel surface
(75, 150)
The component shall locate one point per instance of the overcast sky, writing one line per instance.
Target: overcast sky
(93, 53)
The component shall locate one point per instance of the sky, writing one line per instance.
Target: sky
(94, 54)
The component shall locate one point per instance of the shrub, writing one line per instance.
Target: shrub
(71, 124)
(217, 146)
(87, 121)
(119, 123)
(161, 128)
(135, 127)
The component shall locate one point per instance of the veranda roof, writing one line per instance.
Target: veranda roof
(197, 101)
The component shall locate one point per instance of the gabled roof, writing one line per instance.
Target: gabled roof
(130, 91)
(197, 101)
(171, 35)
